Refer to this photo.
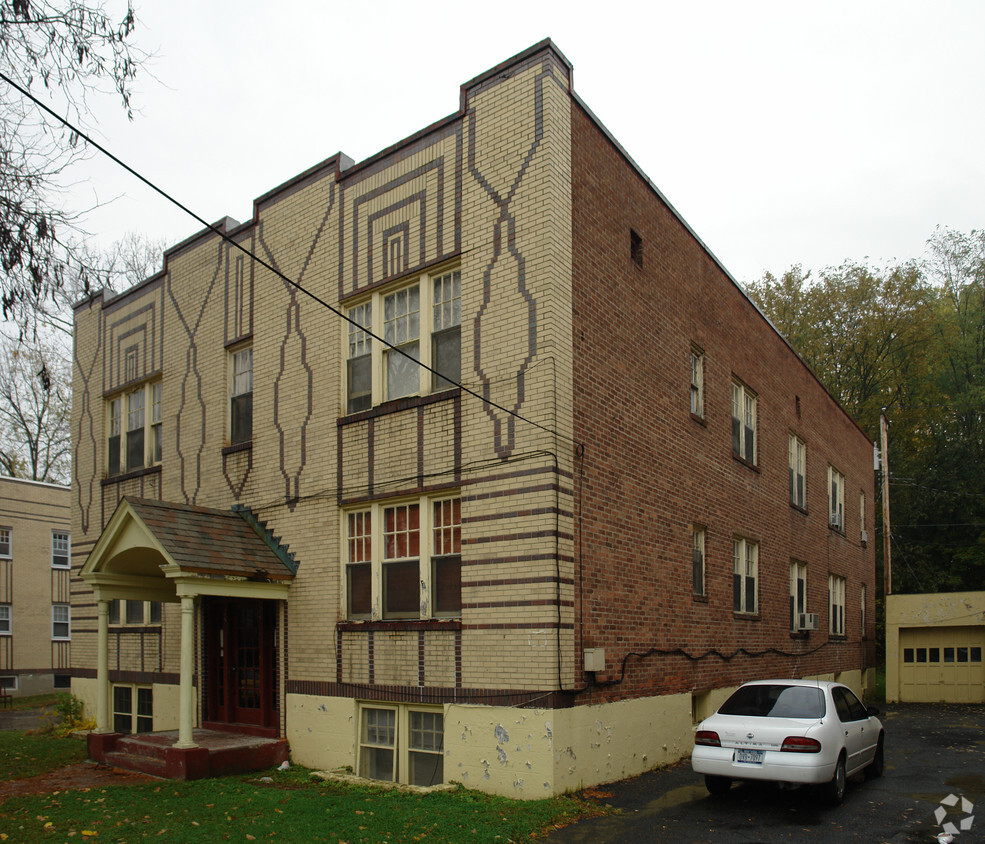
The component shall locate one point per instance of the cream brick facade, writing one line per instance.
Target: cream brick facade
(486, 192)
(33, 660)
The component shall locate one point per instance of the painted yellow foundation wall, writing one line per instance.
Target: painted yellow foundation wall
(322, 731)
(165, 701)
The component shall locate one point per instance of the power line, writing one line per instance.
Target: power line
(216, 230)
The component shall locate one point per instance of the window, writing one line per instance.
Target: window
(836, 602)
(4, 542)
(63, 681)
(241, 397)
(423, 320)
(156, 392)
(401, 744)
(134, 612)
(636, 248)
(140, 447)
(798, 592)
(9, 683)
(745, 566)
(798, 471)
(743, 422)
(5, 619)
(59, 549)
(863, 534)
(130, 719)
(61, 624)
(359, 373)
(836, 498)
(410, 551)
(697, 383)
(862, 614)
(698, 560)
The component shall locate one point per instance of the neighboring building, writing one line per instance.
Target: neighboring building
(397, 573)
(934, 646)
(35, 601)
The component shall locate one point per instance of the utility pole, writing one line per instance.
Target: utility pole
(886, 547)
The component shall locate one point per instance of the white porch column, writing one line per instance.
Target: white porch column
(102, 667)
(186, 700)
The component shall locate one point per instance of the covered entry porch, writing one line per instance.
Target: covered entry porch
(230, 578)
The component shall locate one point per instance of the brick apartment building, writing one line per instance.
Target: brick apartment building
(610, 494)
(35, 603)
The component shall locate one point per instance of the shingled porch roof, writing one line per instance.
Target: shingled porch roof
(204, 540)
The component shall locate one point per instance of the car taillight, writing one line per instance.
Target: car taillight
(708, 738)
(799, 744)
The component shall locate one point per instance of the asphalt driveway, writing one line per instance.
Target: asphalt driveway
(932, 751)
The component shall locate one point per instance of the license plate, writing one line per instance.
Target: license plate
(754, 757)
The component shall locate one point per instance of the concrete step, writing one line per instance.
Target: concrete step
(134, 762)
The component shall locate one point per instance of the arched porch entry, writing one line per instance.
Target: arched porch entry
(227, 564)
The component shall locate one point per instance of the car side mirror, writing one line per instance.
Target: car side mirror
(872, 711)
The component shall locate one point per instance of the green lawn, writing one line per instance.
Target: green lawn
(23, 755)
(292, 808)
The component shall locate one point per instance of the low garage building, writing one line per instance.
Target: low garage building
(934, 648)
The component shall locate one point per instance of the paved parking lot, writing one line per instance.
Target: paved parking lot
(932, 751)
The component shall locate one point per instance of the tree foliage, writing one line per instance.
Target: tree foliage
(68, 51)
(909, 339)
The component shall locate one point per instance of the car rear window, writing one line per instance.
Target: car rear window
(775, 701)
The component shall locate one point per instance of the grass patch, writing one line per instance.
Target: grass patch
(23, 755)
(44, 701)
(293, 808)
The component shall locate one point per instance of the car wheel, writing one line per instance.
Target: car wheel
(876, 765)
(717, 785)
(834, 791)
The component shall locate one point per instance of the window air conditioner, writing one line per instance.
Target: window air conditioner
(807, 621)
(865, 536)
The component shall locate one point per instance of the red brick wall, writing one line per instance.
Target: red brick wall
(650, 469)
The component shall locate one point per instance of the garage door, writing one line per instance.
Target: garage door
(942, 664)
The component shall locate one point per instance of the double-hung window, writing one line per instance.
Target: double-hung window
(836, 498)
(135, 612)
(697, 382)
(59, 549)
(836, 604)
(697, 560)
(241, 397)
(745, 573)
(5, 620)
(743, 422)
(797, 454)
(134, 432)
(403, 559)
(4, 542)
(128, 717)
(61, 621)
(798, 593)
(421, 324)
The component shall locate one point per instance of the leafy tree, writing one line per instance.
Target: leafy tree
(69, 51)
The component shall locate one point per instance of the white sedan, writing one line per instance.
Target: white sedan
(791, 732)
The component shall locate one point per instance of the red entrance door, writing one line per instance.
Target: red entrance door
(241, 665)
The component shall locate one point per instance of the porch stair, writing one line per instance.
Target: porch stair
(216, 753)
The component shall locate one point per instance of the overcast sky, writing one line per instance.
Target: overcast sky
(784, 133)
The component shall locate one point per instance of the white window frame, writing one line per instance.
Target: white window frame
(400, 744)
(119, 611)
(119, 418)
(836, 499)
(437, 316)
(863, 537)
(798, 592)
(797, 460)
(745, 425)
(8, 682)
(836, 605)
(6, 619)
(136, 718)
(697, 382)
(373, 544)
(745, 569)
(61, 541)
(699, 574)
(240, 385)
(6, 543)
(862, 592)
(67, 621)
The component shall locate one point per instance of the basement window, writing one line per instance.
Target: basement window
(133, 709)
(402, 744)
